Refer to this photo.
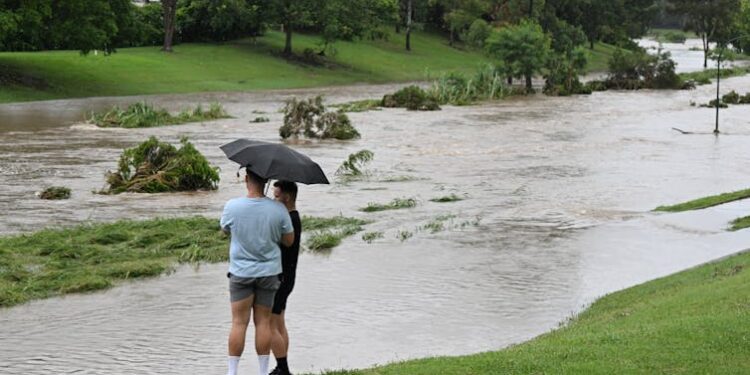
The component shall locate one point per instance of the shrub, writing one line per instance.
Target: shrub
(55, 193)
(477, 33)
(309, 117)
(413, 98)
(633, 70)
(731, 98)
(673, 37)
(562, 74)
(155, 167)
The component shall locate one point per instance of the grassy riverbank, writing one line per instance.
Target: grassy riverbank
(693, 322)
(243, 65)
(706, 202)
(93, 257)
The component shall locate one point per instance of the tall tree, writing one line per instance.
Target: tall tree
(460, 14)
(712, 20)
(409, 19)
(169, 7)
(523, 49)
(293, 15)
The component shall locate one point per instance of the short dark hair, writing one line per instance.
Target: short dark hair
(255, 178)
(289, 187)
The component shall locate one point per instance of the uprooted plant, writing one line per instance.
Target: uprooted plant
(309, 118)
(353, 165)
(156, 167)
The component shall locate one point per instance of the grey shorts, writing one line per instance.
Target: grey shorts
(264, 289)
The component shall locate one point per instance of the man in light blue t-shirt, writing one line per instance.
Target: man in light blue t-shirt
(257, 225)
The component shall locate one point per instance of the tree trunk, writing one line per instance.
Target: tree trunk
(705, 50)
(452, 38)
(288, 44)
(529, 86)
(531, 8)
(591, 44)
(169, 7)
(510, 80)
(408, 25)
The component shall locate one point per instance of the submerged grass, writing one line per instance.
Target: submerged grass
(93, 257)
(396, 204)
(706, 202)
(143, 115)
(55, 193)
(325, 233)
(693, 322)
(369, 237)
(359, 105)
(447, 199)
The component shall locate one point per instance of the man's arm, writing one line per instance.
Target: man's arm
(287, 239)
(226, 220)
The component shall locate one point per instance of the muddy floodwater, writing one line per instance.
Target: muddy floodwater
(558, 191)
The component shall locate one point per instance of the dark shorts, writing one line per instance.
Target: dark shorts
(287, 285)
(263, 288)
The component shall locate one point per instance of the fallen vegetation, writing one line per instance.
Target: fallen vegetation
(706, 202)
(327, 233)
(447, 199)
(353, 166)
(359, 105)
(143, 115)
(158, 167)
(740, 223)
(55, 193)
(369, 237)
(396, 204)
(309, 118)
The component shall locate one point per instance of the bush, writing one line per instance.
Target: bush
(156, 167)
(562, 74)
(55, 193)
(673, 37)
(309, 117)
(477, 33)
(731, 98)
(412, 98)
(633, 70)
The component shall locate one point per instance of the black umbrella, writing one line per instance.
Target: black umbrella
(274, 161)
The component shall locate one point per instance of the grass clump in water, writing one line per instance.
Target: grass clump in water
(309, 118)
(404, 235)
(353, 165)
(260, 119)
(692, 322)
(327, 233)
(92, 257)
(447, 199)
(458, 89)
(143, 115)
(706, 202)
(156, 167)
(396, 204)
(55, 193)
(369, 237)
(740, 223)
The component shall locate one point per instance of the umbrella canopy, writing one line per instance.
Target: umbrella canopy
(274, 161)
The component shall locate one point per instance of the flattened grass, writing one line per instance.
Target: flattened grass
(693, 322)
(86, 258)
(325, 233)
(92, 257)
(396, 204)
(706, 202)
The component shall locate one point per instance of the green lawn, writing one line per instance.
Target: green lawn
(706, 202)
(243, 65)
(237, 66)
(599, 57)
(693, 322)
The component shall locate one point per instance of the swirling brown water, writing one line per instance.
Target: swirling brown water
(561, 186)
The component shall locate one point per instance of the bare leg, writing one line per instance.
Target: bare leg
(240, 320)
(280, 343)
(263, 331)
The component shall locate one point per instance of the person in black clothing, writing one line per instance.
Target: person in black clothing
(286, 193)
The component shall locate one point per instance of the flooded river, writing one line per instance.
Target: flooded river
(559, 193)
